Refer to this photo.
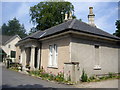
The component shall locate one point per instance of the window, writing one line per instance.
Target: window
(9, 46)
(50, 55)
(13, 54)
(53, 54)
(96, 46)
(97, 64)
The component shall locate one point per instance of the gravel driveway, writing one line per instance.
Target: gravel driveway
(102, 84)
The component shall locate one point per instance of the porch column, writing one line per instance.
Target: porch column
(32, 59)
(21, 56)
(38, 59)
(24, 60)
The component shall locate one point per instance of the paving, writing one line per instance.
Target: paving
(13, 79)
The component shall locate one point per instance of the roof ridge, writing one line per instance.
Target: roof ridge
(56, 25)
(72, 23)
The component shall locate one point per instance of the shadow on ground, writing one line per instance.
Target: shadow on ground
(23, 86)
(40, 87)
(26, 87)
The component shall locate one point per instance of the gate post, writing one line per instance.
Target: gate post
(71, 71)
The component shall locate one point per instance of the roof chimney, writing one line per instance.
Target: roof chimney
(70, 15)
(91, 17)
(66, 17)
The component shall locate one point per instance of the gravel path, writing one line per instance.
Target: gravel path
(102, 84)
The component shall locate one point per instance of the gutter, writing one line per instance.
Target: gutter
(74, 31)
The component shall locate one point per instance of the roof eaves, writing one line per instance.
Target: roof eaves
(95, 34)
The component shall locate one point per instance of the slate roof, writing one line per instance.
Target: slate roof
(74, 25)
(5, 38)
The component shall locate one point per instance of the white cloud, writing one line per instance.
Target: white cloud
(22, 11)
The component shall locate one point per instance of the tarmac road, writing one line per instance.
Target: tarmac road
(12, 79)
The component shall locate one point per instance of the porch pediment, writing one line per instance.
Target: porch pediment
(29, 43)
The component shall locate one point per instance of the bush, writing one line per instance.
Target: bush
(84, 76)
(110, 75)
(36, 72)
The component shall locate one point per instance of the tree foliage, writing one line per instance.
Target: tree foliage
(117, 33)
(48, 14)
(13, 27)
(32, 30)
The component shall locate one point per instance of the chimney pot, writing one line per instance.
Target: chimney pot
(70, 15)
(66, 17)
(91, 10)
(91, 17)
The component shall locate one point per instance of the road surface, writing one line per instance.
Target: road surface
(12, 79)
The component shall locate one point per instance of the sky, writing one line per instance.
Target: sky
(106, 13)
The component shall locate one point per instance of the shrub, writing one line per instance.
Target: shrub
(84, 76)
(110, 75)
(36, 72)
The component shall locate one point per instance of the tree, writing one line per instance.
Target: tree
(48, 14)
(32, 30)
(4, 29)
(14, 27)
(117, 33)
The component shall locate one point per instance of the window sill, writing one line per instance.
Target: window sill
(52, 67)
(97, 67)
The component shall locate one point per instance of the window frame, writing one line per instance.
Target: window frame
(9, 46)
(53, 56)
(97, 57)
(13, 54)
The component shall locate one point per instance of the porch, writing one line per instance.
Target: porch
(30, 56)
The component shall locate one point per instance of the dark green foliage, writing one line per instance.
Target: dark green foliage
(110, 75)
(13, 27)
(32, 30)
(84, 76)
(117, 33)
(48, 14)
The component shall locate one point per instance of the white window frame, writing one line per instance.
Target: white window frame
(53, 56)
(50, 56)
(97, 57)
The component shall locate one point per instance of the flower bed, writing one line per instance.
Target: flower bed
(50, 77)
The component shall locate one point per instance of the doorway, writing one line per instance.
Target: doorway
(36, 56)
